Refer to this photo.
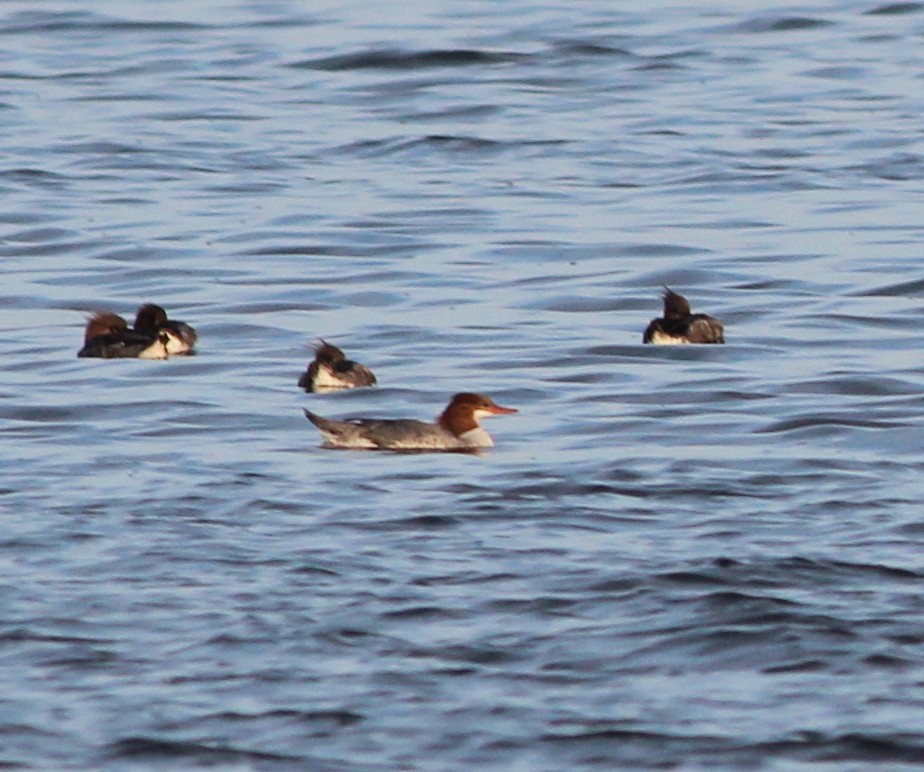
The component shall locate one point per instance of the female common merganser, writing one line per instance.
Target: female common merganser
(680, 326)
(458, 428)
(152, 320)
(108, 336)
(331, 370)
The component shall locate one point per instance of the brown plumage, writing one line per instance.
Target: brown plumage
(331, 371)
(679, 325)
(103, 323)
(107, 336)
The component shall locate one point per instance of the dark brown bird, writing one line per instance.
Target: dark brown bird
(151, 319)
(678, 325)
(107, 336)
(331, 371)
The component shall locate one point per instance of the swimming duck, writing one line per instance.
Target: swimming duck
(457, 429)
(152, 320)
(331, 371)
(678, 325)
(108, 336)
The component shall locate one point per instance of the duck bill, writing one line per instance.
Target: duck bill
(501, 410)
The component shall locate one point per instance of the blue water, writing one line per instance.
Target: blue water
(694, 557)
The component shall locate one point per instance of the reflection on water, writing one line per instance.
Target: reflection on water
(674, 556)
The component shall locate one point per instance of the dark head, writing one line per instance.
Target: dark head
(150, 318)
(327, 353)
(675, 306)
(465, 410)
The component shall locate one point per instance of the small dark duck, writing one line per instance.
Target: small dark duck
(678, 325)
(151, 319)
(108, 336)
(332, 371)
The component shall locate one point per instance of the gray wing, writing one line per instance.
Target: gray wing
(404, 434)
(375, 433)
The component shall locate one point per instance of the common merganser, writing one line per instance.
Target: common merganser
(457, 428)
(680, 326)
(152, 320)
(107, 336)
(331, 370)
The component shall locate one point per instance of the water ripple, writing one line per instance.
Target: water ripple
(673, 556)
(393, 59)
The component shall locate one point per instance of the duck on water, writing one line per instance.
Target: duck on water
(458, 428)
(679, 325)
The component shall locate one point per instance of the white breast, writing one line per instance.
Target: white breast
(157, 350)
(325, 380)
(663, 339)
(476, 438)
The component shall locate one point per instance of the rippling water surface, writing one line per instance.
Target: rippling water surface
(698, 556)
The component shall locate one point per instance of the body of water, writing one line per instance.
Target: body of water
(698, 557)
